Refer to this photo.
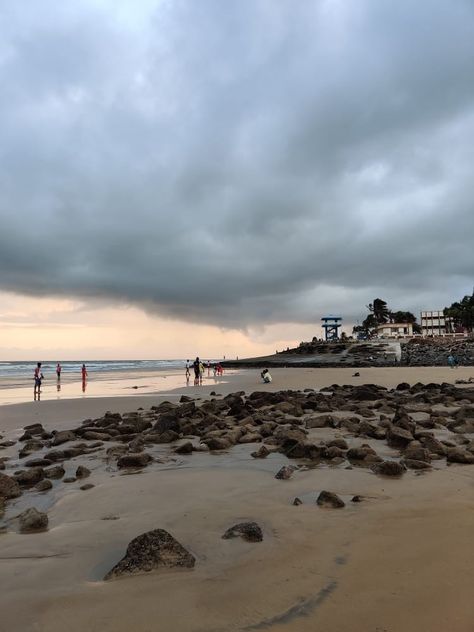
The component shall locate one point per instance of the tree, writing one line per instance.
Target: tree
(379, 310)
(402, 317)
(461, 313)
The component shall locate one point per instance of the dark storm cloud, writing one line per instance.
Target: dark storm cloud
(238, 162)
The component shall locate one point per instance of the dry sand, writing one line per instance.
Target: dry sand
(400, 560)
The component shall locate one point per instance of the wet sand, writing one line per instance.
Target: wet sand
(400, 560)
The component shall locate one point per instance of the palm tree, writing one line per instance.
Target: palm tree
(380, 311)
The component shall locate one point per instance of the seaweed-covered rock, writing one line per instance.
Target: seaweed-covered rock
(149, 551)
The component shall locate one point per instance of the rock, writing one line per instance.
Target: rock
(43, 485)
(62, 436)
(86, 486)
(30, 446)
(285, 472)
(9, 487)
(57, 471)
(297, 501)
(261, 453)
(417, 452)
(459, 455)
(322, 421)
(357, 498)
(414, 464)
(361, 453)
(329, 499)
(69, 479)
(185, 448)
(28, 478)
(371, 429)
(398, 437)
(333, 452)
(38, 463)
(34, 429)
(141, 459)
(93, 435)
(217, 443)
(150, 551)
(82, 472)
(32, 520)
(433, 445)
(249, 531)
(388, 468)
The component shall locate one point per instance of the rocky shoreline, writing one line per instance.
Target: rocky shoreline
(428, 426)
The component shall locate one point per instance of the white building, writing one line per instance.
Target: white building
(434, 323)
(395, 330)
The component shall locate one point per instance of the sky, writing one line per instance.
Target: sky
(182, 177)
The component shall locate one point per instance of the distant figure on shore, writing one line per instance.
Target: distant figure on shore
(197, 370)
(84, 377)
(58, 371)
(266, 377)
(219, 369)
(201, 372)
(38, 376)
(188, 373)
(208, 368)
(453, 361)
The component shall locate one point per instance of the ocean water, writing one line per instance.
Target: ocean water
(24, 369)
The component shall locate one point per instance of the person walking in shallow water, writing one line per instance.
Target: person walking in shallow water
(58, 371)
(38, 377)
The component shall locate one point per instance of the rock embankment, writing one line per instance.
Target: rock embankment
(435, 351)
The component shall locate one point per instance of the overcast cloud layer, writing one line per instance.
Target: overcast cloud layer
(238, 162)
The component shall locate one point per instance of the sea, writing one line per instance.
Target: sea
(23, 369)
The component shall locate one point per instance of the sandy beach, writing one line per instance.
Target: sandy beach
(400, 560)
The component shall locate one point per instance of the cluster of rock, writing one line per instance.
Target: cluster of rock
(406, 418)
(435, 351)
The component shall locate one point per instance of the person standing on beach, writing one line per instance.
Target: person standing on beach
(188, 373)
(84, 377)
(58, 371)
(201, 372)
(197, 370)
(38, 376)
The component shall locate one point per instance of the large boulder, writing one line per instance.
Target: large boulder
(249, 531)
(150, 551)
(9, 487)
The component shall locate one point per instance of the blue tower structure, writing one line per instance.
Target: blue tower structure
(331, 325)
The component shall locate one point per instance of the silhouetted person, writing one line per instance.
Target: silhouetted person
(58, 371)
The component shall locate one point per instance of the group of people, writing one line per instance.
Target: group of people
(198, 369)
(38, 378)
